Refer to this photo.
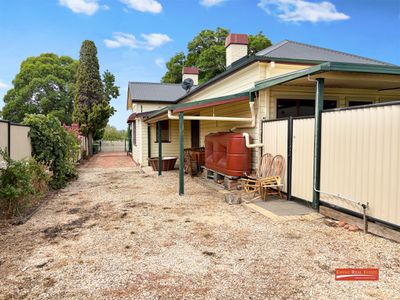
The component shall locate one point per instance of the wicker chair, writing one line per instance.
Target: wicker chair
(268, 178)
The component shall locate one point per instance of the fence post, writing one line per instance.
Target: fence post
(9, 139)
(181, 155)
(319, 101)
(289, 158)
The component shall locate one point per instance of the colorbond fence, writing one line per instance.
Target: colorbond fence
(15, 138)
(113, 146)
(360, 158)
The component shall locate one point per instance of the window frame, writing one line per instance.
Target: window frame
(169, 132)
(298, 105)
(359, 102)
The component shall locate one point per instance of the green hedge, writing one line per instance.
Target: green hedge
(55, 147)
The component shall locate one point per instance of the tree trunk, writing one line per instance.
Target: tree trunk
(90, 143)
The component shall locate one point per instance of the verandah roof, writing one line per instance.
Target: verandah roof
(189, 106)
(341, 75)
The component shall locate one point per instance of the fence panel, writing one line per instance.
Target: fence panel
(3, 135)
(20, 142)
(302, 158)
(360, 159)
(113, 146)
(275, 140)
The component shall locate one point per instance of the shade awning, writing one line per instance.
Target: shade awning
(339, 75)
(195, 105)
(134, 116)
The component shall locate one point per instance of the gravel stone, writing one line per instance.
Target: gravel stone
(134, 237)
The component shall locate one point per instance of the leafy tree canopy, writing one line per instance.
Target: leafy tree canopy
(44, 85)
(207, 52)
(113, 134)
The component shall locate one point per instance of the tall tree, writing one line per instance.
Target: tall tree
(44, 85)
(111, 91)
(207, 52)
(91, 108)
(174, 66)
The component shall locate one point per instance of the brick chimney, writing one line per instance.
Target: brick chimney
(191, 72)
(236, 47)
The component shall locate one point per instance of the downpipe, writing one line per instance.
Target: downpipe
(247, 140)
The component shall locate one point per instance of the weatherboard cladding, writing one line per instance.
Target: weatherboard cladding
(295, 50)
(155, 92)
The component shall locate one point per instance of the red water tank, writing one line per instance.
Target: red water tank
(226, 153)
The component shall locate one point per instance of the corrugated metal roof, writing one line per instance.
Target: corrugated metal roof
(155, 92)
(133, 116)
(295, 50)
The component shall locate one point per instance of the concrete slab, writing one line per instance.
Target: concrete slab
(279, 210)
(284, 208)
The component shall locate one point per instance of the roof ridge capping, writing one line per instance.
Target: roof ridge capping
(340, 52)
(147, 82)
(274, 47)
(271, 48)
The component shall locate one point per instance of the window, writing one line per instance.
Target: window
(296, 108)
(359, 102)
(164, 131)
(134, 133)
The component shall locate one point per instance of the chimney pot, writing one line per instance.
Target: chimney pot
(191, 72)
(236, 47)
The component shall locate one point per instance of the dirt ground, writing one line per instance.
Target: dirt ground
(119, 233)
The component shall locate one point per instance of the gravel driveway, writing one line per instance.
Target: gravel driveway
(118, 233)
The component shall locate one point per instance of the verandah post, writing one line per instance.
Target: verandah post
(181, 155)
(289, 158)
(159, 148)
(319, 104)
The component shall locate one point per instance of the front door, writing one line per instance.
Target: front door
(195, 133)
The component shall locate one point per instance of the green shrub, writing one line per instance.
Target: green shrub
(21, 183)
(54, 147)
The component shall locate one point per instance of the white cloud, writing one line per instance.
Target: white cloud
(3, 85)
(209, 3)
(160, 62)
(88, 7)
(149, 42)
(154, 40)
(105, 7)
(302, 11)
(151, 6)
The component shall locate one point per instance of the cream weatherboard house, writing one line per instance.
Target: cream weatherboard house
(261, 84)
(334, 116)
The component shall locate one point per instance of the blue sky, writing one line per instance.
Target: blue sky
(135, 37)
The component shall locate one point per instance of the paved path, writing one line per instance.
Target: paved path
(106, 160)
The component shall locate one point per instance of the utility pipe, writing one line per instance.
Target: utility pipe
(253, 116)
(228, 119)
(209, 118)
(247, 140)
